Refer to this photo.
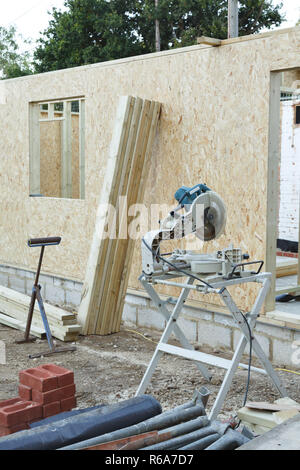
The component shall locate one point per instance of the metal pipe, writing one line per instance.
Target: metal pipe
(33, 297)
(229, 441)
(187, 427)
(233, 19)
(182, 440)
(201, 443)
(164, 420)
(204, 394)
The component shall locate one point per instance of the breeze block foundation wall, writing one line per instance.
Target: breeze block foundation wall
(202, 327)
(217, 330)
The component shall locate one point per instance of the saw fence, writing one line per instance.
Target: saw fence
(109, 262)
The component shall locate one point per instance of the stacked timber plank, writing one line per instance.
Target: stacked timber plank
(286, 267)
(261, 417)
(108, 267)
(14, 308)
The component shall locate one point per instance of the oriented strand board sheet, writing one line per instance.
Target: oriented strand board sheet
(214, 129)
(51, 154)
(50, 158)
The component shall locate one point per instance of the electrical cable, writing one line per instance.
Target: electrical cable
(250, 359)
(140, 334)
(287, 370)
(25, 13)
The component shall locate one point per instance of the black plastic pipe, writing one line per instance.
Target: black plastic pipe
(84, 426)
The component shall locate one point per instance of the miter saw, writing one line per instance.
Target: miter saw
(204, 214)
(201, 211)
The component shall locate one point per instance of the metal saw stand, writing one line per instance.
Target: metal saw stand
(187, 351)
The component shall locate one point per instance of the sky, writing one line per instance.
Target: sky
(30, 17)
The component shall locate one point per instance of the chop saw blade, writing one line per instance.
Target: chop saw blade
(214, 217)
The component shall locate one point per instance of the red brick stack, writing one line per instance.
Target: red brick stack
(43, 391)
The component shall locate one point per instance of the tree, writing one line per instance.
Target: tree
(182, 21)
(90, 31)
(12, 62)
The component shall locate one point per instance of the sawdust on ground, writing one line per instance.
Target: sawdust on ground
(108, 369)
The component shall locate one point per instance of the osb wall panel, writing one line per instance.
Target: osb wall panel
(50, 157)
(213, 129)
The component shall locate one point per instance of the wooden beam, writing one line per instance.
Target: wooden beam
(14, 305)
(19, 325)
(286, 266)
(209, 41)
(106, 280)
(272, 184)
(82, 149)
(99, 244)
(66, 153)
(34, 149)
(288, 290)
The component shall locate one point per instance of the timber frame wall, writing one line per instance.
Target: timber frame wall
(215, 128)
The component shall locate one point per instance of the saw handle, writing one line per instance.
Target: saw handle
(261, 263)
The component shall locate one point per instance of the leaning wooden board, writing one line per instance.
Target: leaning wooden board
(106, 278)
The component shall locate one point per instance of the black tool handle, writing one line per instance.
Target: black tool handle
(261, 263)
(33, 242)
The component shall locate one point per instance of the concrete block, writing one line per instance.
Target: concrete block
(150, 318)
(130, 314)
(67, 404)
(38, 379)
(78, 286)
(51, 409)
(274, 331)
(10, 270)
(55, 294)
(285, 354)
(54, 395)
(214, 335)
(5, 431)
(29, 286)
(28, 274)
(64, 376)
(20, 412)
(4, 279)
(197, 314)
(189, 328)
(17, 283)
(263, 341)
(225, 320)
(47, 280)
(25, 393)
(137, 300)
(58, 282)
(73, 298)
(296, 336)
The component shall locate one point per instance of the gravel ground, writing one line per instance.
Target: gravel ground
(109, 369)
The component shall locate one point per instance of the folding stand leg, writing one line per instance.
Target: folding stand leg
(52, 347)
(241, 347)
(171, 327)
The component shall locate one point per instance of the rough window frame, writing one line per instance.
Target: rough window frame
(66, 152)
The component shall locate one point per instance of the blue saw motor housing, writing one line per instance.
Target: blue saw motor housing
(185, 195)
